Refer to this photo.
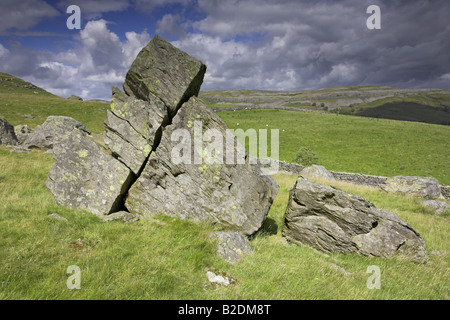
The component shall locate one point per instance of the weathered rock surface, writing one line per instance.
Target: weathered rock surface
(425, 187)
(7, 134)
(232, 246)
(133, 128)
(85, 176)
(56, 216)
(437, 206)
(137, 171)
(317, 172)
(22, 132)
(332, 220)
(124, 216)
(163, 71)
(52, 131)
(235, 196)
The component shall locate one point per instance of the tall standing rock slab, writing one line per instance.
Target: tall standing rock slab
(235, 196)
(85, 176)
(163, 71)
(133, 128)
(332, 220)
(7, 134)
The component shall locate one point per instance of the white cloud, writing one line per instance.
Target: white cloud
(170, 25)
(98, 61)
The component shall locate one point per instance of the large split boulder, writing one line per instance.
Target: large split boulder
(191, 180)
(7, 134)
(425, 187)
(138, 172)
(52, 131)
(329, 219)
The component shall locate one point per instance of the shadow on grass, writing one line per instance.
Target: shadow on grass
(269, 228)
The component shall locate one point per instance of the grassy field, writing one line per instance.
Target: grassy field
(429, 105)
(169, 259)
(355, 144)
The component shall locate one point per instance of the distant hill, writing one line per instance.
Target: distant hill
(13, 85)
(422, 105)
(22, 102)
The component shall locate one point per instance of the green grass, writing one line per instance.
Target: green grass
(355, 144)
(149, 260)
(168, 258)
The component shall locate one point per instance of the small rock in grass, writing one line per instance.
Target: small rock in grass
(121, 215)
(56, 216)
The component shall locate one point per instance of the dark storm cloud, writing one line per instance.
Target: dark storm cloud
(325, 43)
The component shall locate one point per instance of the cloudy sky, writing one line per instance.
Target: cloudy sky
(248, 44)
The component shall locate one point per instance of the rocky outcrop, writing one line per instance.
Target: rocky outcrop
(424, 187)
(139, 171)
(7, 134)
(235, 196)
(329, 219)
(52, 131)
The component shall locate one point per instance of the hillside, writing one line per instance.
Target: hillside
(342, 143)
(22, 102)
(422, 105)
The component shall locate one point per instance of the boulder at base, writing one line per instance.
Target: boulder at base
(52, 131)
(190, 179)
(329, 219)
(85, 176)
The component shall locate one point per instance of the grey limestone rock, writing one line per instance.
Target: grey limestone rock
(235, 196)
(232, 246)
(425, 187)
(437, 206)
(52, 131)
(329, 219)
(85, 176)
